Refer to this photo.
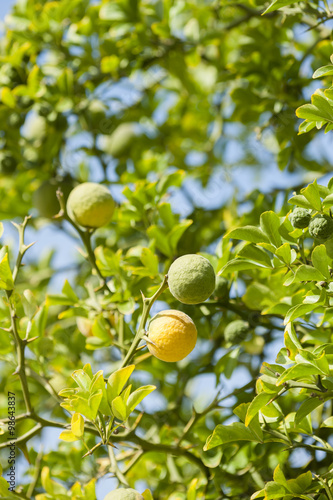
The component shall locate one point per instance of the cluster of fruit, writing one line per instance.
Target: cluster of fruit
(172, 334)
(320, 226)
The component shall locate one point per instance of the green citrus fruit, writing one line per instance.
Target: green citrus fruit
(191, 279)
(35, 128)
(221, 288)
(321, 227)
(236, 331)
(173, 335)
(90, 205)
(300, 218)
(124, 494)
(45, 198)
(119, 142)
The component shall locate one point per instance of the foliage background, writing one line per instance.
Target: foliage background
(212, 88)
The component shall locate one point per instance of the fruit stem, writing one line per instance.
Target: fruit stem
(147, 303)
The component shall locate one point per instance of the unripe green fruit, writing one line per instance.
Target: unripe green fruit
(236, 331)
(8, 163)
(321, 227)
(221, 288)
(119, 142)
(90, 205)
(300, 218)
(15, 120)
(45, 198)
(124, 494)
(191, 279)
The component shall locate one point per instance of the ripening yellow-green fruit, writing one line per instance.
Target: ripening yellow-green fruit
(191, 279)
(172, 335)
(90, 205)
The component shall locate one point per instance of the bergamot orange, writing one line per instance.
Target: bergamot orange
(300, 218)
(321, 227)
(90, 205)
(191, 279)
(124, 494)
(172, 335)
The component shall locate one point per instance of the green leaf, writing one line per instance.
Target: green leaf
(298, 371)
(236, 265)
(323, 71)
(300, 201)
(119, 409)
(248, 233)
(305, 273)
(321, 261)
(150, 261)
(256, 404)
(270, 223)
(278, 4)
(117, 381)
(6, 278)
(257, 254)
(311, 193)
(94, 403)
(77, 425)
(137, 396)
(301, 483)
(160, 239)
(82, 379)
(284, 253)
(68, 436)
(69, 292)
(224, 434)
(307, 407)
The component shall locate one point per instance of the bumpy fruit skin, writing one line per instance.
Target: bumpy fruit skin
(321, 227)
(90, 205)
(119, 142)
(300, 218)
(45, 198)
(221, 288)
(191, 279)
(124, 494)
(173, 335)
(8, 163)
(236, 331)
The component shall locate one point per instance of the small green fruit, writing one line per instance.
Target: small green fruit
(44, 109)
(124, 494)
(191, 279)
(236, 331)
(321, 227)
(45, 198)
(300, 218)
(90, 205)
(8, 163)
(119, 142)
(221, 288)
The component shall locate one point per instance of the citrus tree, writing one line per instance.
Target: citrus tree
(188, 351)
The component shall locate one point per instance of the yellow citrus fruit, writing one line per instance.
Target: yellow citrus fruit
(173, 335)
(90, 205)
